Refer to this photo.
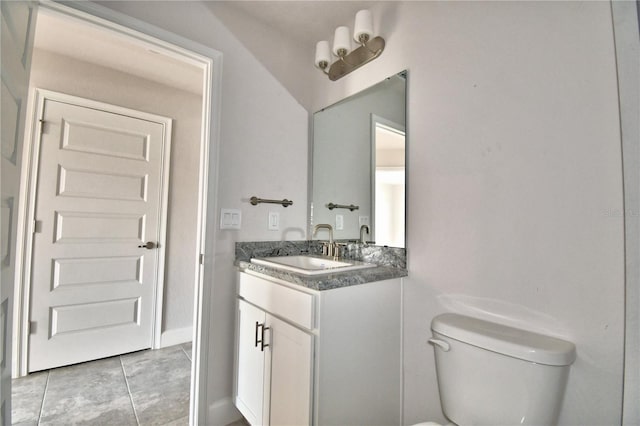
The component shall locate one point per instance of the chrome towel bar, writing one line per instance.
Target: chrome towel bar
(351, 207)
(255, 201)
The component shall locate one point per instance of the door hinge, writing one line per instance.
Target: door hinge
(42, 123)
(202, 258)
(37, 226)
(33, 326)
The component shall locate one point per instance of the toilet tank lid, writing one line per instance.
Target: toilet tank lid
(505, 340)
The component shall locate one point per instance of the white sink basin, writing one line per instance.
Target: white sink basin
(310, 265)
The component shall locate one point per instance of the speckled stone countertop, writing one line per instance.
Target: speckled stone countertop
(391, 263)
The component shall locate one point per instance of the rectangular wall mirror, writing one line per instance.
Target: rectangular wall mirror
(358, 165)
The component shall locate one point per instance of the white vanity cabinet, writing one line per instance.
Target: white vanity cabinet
(273, 380)
(306, 357)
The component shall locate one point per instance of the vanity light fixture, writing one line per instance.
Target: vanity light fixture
(348, 60)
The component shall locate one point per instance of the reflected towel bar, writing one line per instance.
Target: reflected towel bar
(351, 207)
(255, 201)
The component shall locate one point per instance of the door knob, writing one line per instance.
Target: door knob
(148, 245)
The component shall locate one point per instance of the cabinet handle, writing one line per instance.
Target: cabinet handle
(256, 340)
(261, 340)
(262, 344)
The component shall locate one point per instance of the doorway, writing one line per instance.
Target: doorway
(202, 121)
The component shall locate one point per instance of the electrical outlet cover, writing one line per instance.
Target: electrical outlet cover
(274, 221)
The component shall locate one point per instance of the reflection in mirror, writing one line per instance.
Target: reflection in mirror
(388, 182)
(358, 164)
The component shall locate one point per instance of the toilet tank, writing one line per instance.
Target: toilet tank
(492, 374)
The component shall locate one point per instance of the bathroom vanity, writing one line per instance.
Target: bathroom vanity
(319, 341)
(318, 350)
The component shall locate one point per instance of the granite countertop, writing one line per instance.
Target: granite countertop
(327, 281)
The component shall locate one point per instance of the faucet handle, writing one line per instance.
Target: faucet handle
(326, 249)
(339, 249)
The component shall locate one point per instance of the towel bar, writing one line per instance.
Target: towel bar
(255, 201)
(351, 207)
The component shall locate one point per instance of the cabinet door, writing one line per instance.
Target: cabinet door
(250, 363)
(291, 357)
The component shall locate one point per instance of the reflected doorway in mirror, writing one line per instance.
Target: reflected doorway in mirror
(388, 166)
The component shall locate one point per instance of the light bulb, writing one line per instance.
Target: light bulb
(363, 28)
(341, 41)
(323, 54)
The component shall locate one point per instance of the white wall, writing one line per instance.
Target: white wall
(625, 21)
(283, 56)
(514, 176)
(263, 152)
(66, 75)
(514, 181)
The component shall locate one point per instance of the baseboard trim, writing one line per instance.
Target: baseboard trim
(176, 336)
(222, 412)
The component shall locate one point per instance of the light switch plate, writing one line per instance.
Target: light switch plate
(339, 222)
(363, 220)
(230, 218)
(274, 221)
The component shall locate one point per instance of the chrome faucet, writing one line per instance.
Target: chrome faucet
(363, 229)
(327, 249)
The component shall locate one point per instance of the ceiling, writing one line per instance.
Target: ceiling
(85, 42)
(306, 21)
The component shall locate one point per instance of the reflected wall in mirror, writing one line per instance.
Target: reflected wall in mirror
(359, 161)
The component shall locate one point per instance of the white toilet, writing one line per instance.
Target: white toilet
(492, 374)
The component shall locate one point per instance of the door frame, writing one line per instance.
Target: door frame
(35, 117)
(210, 61)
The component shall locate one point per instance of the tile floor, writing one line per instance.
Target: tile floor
(241, 422)
(140, 388)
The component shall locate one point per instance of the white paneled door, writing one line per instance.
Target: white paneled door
(17, 31)
(97, 229)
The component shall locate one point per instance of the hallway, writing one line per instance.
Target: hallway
(139, 388)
